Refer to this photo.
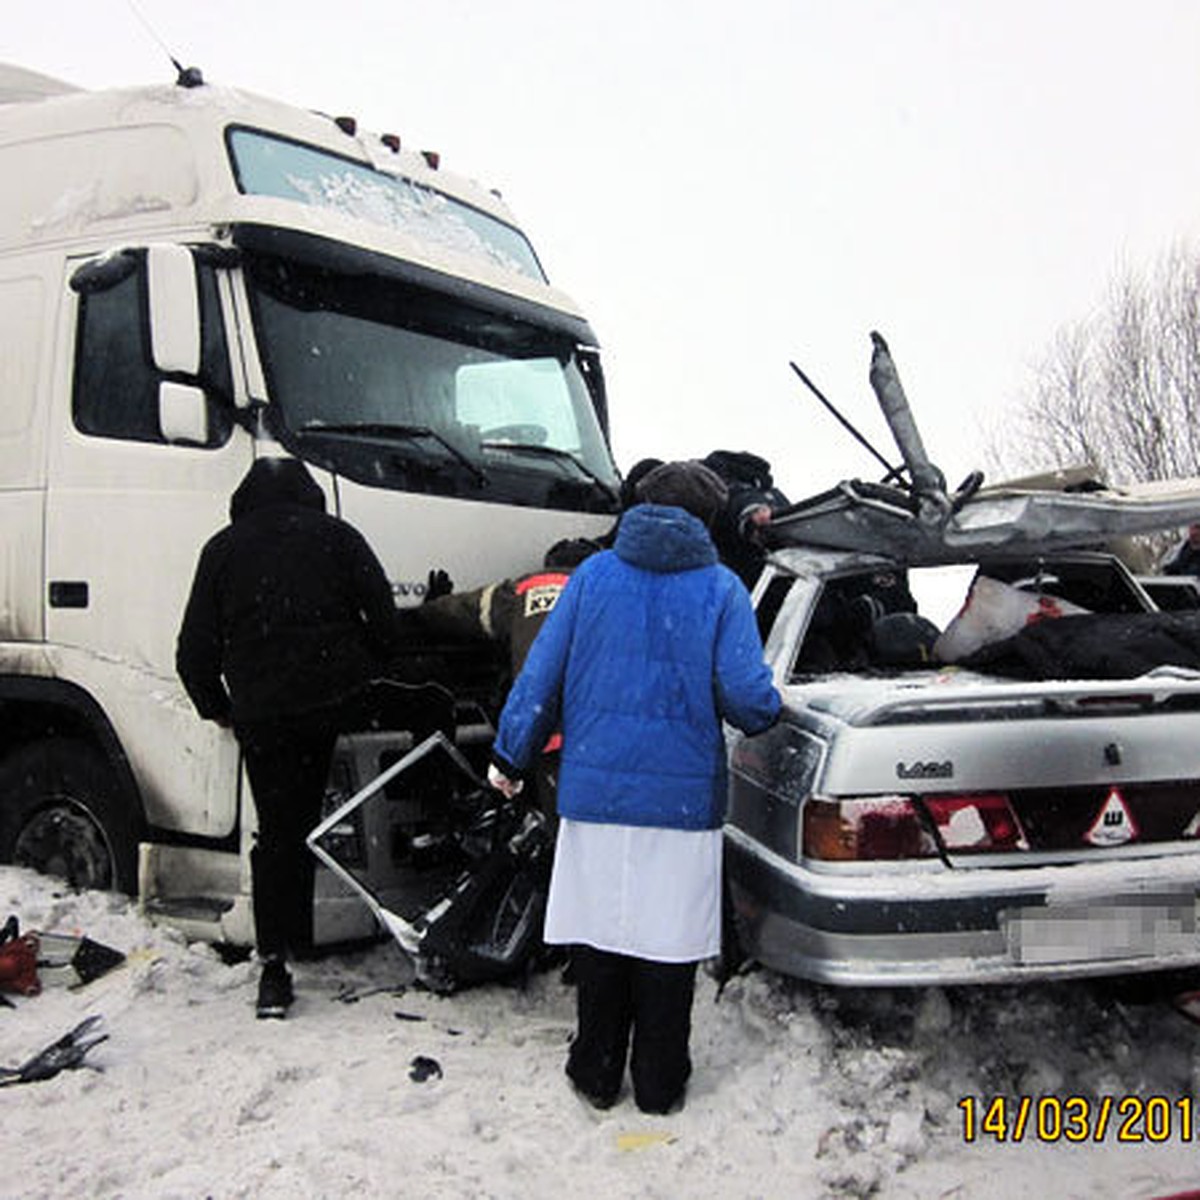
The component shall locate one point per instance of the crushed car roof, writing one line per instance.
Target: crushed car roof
(918, 522)
(921, 531)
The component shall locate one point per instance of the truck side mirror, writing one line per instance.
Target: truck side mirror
(174, 302)
(183, 414)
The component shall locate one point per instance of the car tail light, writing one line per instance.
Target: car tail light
(975, 823)
(865, 828)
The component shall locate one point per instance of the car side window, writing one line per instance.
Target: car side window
(116, 382)
(1100, 586)
(831, 641)
(862, 622)
(771, 601)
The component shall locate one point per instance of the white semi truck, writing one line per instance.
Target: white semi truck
(191, 276)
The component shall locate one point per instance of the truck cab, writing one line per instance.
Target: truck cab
(191, 277)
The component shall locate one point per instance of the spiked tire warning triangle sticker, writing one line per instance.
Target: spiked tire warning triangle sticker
(1114, 824)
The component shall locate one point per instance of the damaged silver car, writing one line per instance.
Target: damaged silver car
(987, 768)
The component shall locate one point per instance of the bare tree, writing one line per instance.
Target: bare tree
(1121, 389)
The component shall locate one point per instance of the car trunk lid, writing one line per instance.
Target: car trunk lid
(1085, 768)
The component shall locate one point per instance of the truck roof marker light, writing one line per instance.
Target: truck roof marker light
(348, 125)
(391, 141)
(432, 159)
(865, 828)
(976, 822)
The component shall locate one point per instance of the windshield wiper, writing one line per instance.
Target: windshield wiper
(381, 429)
(560, 456)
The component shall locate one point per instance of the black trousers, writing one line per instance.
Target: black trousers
(288, 765)
(617, 996)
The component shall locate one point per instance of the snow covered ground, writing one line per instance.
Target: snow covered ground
(797, 1091)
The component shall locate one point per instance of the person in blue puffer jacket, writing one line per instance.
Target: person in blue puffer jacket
(650, 647)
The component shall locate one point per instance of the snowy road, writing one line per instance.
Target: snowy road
(796, 1092)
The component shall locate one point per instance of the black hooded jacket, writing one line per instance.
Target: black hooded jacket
(290, 611)
(748, 478)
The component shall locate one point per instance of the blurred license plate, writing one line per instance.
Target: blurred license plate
(1136, 927)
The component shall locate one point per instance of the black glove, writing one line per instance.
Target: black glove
(438, 584)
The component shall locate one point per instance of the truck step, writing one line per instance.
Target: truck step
(188, 908)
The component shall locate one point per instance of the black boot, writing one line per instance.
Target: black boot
(275, 993)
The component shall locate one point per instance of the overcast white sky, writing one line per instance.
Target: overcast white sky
(728, 186)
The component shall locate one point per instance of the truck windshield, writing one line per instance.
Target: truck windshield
(395, 384)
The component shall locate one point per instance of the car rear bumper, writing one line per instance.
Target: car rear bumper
(982, 925)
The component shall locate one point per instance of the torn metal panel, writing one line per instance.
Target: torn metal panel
(406, 934)
(920, 523)
(874, 519)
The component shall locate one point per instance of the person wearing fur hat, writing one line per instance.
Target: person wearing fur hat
(651, 645)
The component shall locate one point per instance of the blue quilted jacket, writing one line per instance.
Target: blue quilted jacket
(649, 647)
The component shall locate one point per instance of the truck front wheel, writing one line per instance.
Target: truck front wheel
(63, 814)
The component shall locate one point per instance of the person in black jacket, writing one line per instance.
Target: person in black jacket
(1186, 558)
(289, 621)
(739, 527)
(511, 612)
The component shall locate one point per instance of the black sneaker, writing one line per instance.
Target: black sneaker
(275, 993)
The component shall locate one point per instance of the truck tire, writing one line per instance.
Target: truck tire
(62, 813)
